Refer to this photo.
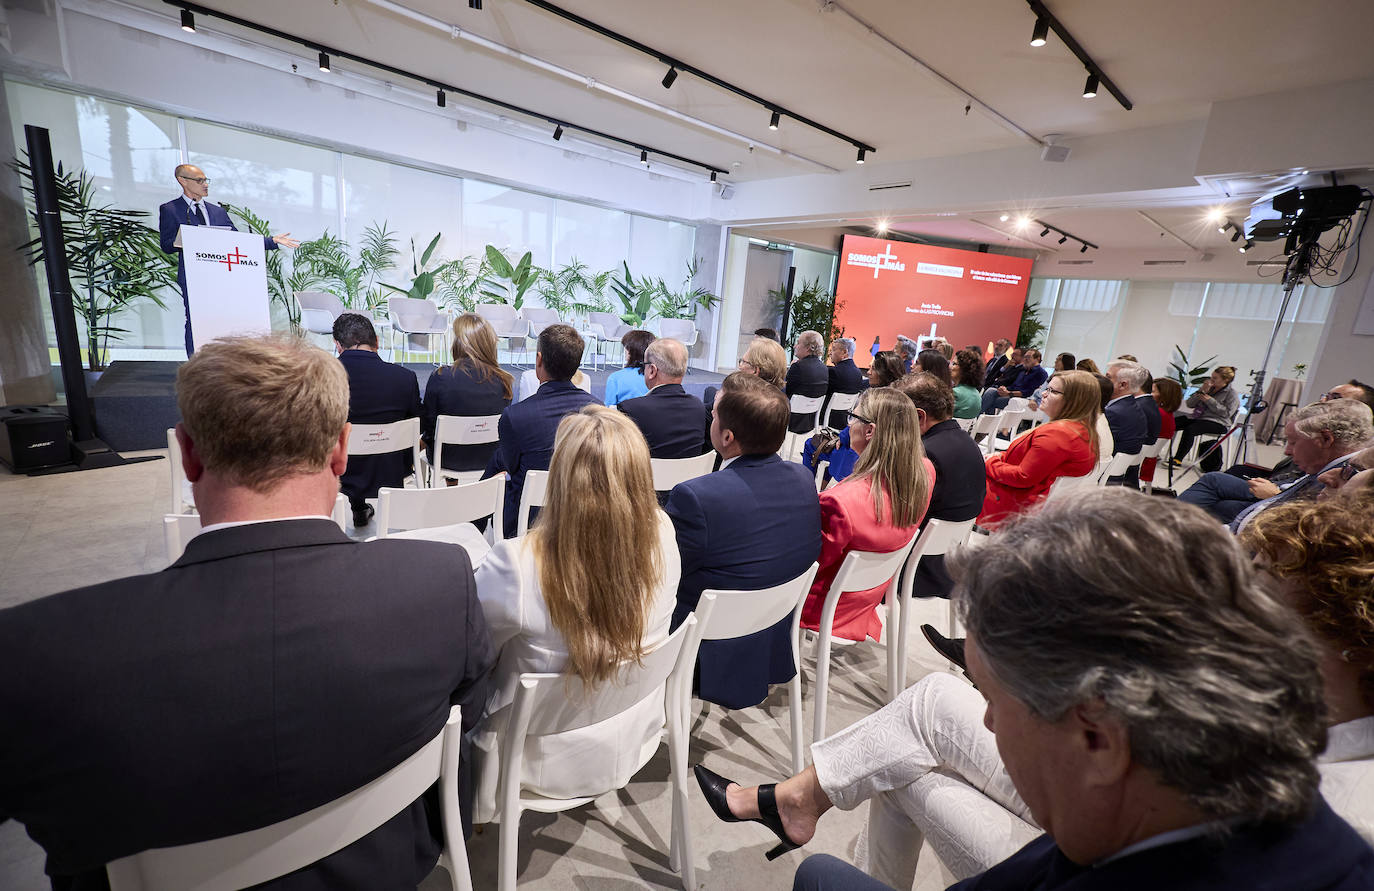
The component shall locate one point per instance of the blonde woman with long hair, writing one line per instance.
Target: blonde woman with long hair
(1066, 445)
(474, 386)
(765, 359)
(876, 508)
(592, 585)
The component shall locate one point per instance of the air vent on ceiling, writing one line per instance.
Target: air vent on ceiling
(883, 187)
(1166, 262)
(1075, 262)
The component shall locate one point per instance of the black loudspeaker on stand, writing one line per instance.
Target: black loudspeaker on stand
(87, 451)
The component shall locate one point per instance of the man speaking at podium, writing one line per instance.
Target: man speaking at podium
(191, 209)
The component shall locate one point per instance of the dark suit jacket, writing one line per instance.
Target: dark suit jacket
(805, 377)
(174, 214)
(751, 525)
(844, 377)
(1150, 409)
(961, 484)
(527, 429)
(1320, 854)
(994, 370)
(273, 668)
(378, 393)
(671, 420)
(1130, 431)
(462, 393)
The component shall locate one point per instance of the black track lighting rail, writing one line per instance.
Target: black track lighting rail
(1047, 228)
(681, 66)
(332, 52)
(1038, 7)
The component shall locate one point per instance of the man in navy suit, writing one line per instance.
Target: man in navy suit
(806, 376)
(527, 428)
(753, 524)
(671, 419)
(843, 376)
(1126, 416)
(378, 393)
(999, 362)
(191, 209)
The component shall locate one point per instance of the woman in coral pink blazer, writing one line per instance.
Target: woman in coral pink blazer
(877, 508)
(1065, 446)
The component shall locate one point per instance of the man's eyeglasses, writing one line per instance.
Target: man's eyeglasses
(1330, 395)
(203, 180)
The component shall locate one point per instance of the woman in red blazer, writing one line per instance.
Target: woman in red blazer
(877, 508)
(1168, 396)
(1065, 446)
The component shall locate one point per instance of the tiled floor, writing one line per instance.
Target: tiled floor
(66, 530)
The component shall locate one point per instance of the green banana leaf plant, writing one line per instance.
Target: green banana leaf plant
(636, 296)
(1185, 373)
(114, 259)
(573, 289)
(279, 290)
(506, 283)
(687, 300)
(423, 278)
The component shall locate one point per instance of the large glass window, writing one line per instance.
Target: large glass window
(661, 249)
(512, 220)
(415, 205)
(1085, 316)
(594, 236)
(1236, 322)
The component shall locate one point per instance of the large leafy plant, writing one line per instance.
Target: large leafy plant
(1028, 334)
(114, 259)
(458, 282)
(506, 283)
(813, 309)
(636, 295)
(1187, 374)
(573, 290)
(423, 277)
(686, 300)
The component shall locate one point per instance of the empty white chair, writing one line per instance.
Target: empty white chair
(531, 496)
(402, 509)
(546, 703)
(668, 472)
(183, 497)
(860, 571)
(417, 319)
(608, 327)
(938, 537)
(537, 318)
(1008, 420)
(837, 402)
(684, 330)
(509, 325)
(966, 424)
(1119, 464)
(986, 426)
(319, 309)
(178, 529)
(259, 855)
(741, 613)
(382, 439)
(458, 430)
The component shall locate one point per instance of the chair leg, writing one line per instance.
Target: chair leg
(822, 684)
(794, 696)
(680, 856)
(896, 615)
(953, 629)
(508, 838)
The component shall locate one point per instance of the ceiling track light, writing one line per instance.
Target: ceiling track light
(713, 176)
(644, 157)
(1042, 30)
(1045, 231)
(1222, 229)
(1096, 76)
(1063, 238)
(1235, 236)
(440, 99)
(324, 62)
(669, 77)
(1245, 247)
(1084, 248)
(475, 4)
(557, 132)
(188, 21)
(774, 120)
(1090, 87)
(860, 159)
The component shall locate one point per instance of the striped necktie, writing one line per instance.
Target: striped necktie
(1308, 485)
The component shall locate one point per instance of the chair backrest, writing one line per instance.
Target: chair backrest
(1009, 420)
(668, 472)
(966, 424)
(840, 402)
(938, 537)
(684, 330)
(741, 613)
(412, 315)
(183, 498)
(608, 323)
(401, 509)
(862, 570)
(806, 405)
(382, 439)
(496, 312)
(460, 430)
(984, 424)
(177, 529)
(542, 314)
(319, 309)
(1117, 466)
(531, 496)
(260, 855)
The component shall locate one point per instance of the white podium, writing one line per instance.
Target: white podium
(226, 282)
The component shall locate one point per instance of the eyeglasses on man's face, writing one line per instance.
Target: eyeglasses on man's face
(203, 180)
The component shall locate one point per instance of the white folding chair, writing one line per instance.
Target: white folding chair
(838, 402)
(1159, 451)
(741, 613)
(178, 529)
(860, 571)
(1119, 464)
(938, 537)
(531, 496)
(183, 496)
(668, 472)
(458, 430)
(684, 330)
(986, 426)
(399, 510)
(546, 703)
(383, 439)
(537, 318)
(319, 309)
(259, 855)
(415, 319)
(508, 324)
(794, 444)
(966, 424)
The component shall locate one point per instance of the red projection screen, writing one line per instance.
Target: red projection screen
(886, 288)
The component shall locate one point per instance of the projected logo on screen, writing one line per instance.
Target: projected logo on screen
(876, 262)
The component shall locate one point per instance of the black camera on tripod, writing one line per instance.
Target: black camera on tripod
(1299, 214)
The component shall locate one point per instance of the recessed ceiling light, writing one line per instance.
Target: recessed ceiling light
(1004, 217)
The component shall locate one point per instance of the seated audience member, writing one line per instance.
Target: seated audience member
(765, 359)
(1161, 727)
(1212, 408)
(1357, 474)
(877, 508)
(806, 376)
(530, 383)
(1319, 437)
(960, 481)
(1150, 408)
(1002, 358)
(906, 352)
(1168, 396)
(378, 393)
(473, 386)
(767, 333)
(966, 371)
(276, 666)
(885, 371)
(1062, 362)
(1026, 382)
(527, 428)
(589, 587)
(670, 418)
(1353, 390)
(946, 348)
(1126, 416)
(843, 376)
(753, 524)
(1064, 446)
(1105, 446)
(628, 382)
(934, 362)
(1087, 365)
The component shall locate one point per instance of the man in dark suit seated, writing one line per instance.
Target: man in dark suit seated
(1016, 381)
(806, 376)
(273, 668)
(1149, 408)
(999, 362)
(843, 377)
(378, 393)
(753, 524)
(1125, 417)
(527, 428)
(671, 419)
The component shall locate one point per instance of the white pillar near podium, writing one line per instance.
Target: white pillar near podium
(226, 282)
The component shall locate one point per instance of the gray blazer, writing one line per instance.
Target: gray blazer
(1223, 407)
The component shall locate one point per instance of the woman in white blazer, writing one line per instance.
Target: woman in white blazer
(592, 584)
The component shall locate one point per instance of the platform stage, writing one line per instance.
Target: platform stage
(135, 402)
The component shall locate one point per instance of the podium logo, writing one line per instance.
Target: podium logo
(237, 258)
(876, 262)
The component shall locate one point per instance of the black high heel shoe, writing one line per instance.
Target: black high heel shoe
(713, 788)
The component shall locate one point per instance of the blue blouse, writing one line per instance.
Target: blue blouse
(627, 383)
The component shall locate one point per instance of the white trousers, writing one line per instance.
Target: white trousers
(930, 771)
